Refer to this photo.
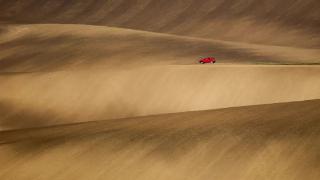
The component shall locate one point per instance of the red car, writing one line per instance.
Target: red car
(207, 60)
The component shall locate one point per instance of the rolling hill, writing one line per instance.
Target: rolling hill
(105, 89)
(286, 22)
(276, 141)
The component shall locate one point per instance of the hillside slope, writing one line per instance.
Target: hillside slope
(29, 48)
(277, 141)
(61, 97)
(58, 74)
(286, 22)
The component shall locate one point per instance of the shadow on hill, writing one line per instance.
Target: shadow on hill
(17, 117)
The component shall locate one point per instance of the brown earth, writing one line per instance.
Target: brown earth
(46, 98)
(71, 70)
(285, 22)
(278, 141)
(53, 74)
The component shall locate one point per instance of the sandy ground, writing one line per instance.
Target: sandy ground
(56, 74)
(73, 96)
(285, 22)
(112, 89)
(279, 141)
(82, 47)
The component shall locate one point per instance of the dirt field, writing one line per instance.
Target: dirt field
(113, 89)
(278, 141)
